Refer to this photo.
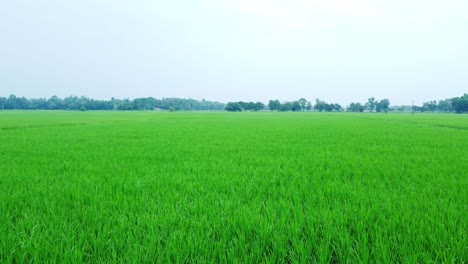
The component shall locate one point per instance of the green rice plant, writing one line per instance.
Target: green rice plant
(233, 187)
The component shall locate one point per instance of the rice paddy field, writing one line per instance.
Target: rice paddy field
(201, 187)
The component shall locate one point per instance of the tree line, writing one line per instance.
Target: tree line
(244, 106)
(456, 104)
(275, 105)
(304, 105)
(83, 103)
(371, 105)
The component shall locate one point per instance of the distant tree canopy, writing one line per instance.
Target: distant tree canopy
(356, 107)
(460, 104)
(295, 106)
(84, 103)
(456, 104)
(382, 106)
(371, 105)
(302, 105)
(244, 106)
(323, 106)
(445, 105)
(274, 105)
(430, 106)
(233, 107)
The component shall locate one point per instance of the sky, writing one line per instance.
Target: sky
(252, 50)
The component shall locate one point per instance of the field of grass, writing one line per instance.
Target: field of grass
(137, 187)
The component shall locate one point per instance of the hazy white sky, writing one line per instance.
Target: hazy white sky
(335, 50)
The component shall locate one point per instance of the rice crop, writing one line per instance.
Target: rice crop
(191, 187)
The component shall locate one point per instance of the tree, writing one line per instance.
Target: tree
(125, 104)
(40, 103)
(319, 105)
(430, 106)
(55, 103)
(383, 105)
(244, 105)
(11, 102)
(251, 106)
(302, 103)
(145, 103)
(324, 106)
(416, 108)
(2, 103)
(460, 104)
(338, 107)
(308, 106)
(274, 105)
(296, 106)
(371, 104)
(75, 103)
(233, 107)
(259, 106)
(445, 105)
(286, 106)
(433, 106)
(356, 107)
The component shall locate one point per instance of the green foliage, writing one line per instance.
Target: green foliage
(430, 106)
(460, 104)
(308, 106)
(145, 187)
(290, 106)
(244, 106)
(371, 104)
(324, 106)
(274, 105)
(303, 103)
(356, 107)
(383, 105)
(457, 104)
(75, 103)
(233, 107)
(319, 105)
(445, 105)
(296, 106)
